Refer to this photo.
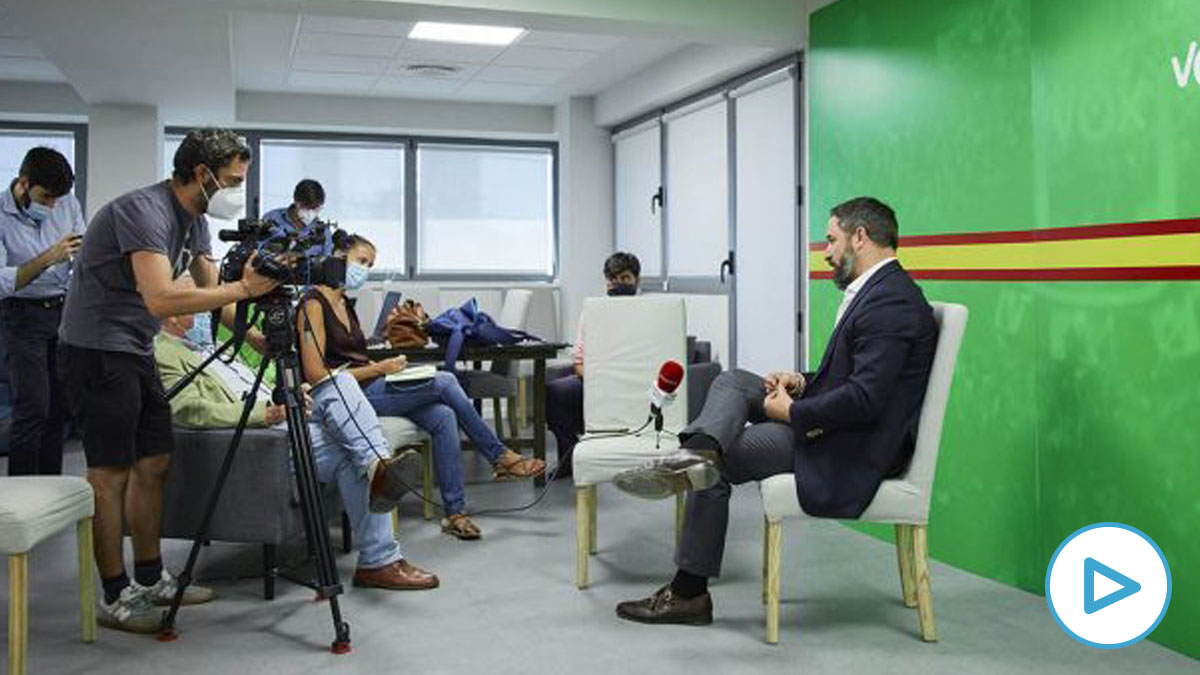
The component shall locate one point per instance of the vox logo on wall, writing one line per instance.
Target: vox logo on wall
(1187, 70)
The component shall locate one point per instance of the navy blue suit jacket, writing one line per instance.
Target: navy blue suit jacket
(856, 422)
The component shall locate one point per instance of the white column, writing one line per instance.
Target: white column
(124, 151)
(586, 228)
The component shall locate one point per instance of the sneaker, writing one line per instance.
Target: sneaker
(394, 478)
(163, 592)
(666, 476)
(132, 611)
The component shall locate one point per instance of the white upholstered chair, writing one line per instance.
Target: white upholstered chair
(33, 508)
(902, 502)
(625, 341)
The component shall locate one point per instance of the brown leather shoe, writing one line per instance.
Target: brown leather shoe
(666, 607)
(399, 576)
(394, 477)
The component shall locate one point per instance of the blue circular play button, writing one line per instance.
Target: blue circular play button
(1108, 585)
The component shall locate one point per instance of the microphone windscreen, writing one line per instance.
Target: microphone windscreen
(670, 374)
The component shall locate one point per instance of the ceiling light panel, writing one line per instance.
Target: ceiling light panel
(461, 33)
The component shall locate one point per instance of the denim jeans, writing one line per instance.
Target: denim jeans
(439, 406)
(343, 453)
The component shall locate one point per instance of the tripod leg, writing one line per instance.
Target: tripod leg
(308, 488)
(167, 630)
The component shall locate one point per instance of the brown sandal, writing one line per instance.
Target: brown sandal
(461, 527)
(518, 468)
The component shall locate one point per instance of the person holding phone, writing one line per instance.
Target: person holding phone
(41, 228)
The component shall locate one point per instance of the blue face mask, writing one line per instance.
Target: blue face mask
(200, 334)
(356, 276)
(622, 289)
(37, 211)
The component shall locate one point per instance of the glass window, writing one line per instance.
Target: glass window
(364, 188)
(485, 210)
(14, 143)
(219, 248)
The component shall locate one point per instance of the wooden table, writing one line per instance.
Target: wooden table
(538, 352)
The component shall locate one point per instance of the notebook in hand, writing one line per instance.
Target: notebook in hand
(414, 373)
(389, 303)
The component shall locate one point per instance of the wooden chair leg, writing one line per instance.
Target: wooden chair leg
(427, 479)
(774, 569)
(396, 522)
(766, 553)
(583, 518)
(679, 509)
(593, 506)
(924, 595)
(904, 558)
(18, 612)
(87, 580)
(522, 401)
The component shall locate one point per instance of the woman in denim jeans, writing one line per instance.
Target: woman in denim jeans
(332, 338)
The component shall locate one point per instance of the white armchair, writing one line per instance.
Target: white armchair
(625, 341)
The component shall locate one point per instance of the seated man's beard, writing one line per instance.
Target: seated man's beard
(843, 272)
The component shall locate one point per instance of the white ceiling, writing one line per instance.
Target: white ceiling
(313, 53)
(20, 57)
(190, 59)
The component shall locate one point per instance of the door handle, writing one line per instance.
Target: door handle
(656, 198)
(727, 264)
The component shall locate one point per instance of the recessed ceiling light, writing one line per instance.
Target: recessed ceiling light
(465, 33)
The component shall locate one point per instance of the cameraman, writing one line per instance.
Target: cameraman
(301, 217)
(122, 286)
(40, 228)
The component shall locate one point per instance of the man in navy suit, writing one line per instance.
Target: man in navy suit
(842, 430)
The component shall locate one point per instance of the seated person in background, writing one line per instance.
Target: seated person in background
(330, 338)
(564, 395)
(841, 430)
(369, 486)
(301, 216)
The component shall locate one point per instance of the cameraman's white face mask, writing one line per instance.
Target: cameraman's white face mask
(226, 203)
(307, 216)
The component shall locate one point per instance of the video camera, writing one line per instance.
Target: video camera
(285, 256)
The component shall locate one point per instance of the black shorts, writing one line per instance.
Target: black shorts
(122, 405)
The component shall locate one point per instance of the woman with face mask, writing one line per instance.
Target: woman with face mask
(332, 338)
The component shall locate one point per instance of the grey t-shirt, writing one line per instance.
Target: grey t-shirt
(104, 309)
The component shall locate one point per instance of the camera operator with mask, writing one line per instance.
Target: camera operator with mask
(122, 286)
(40, 228)
(301, 216)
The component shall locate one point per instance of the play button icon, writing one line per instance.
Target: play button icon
(1092, 567)
(1113, 603)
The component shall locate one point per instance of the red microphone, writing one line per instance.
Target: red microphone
(662, 392)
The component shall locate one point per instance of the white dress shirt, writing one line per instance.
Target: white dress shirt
(856, 286)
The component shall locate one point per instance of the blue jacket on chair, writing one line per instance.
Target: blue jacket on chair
(856, 421)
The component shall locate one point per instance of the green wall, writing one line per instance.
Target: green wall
(1074, 402)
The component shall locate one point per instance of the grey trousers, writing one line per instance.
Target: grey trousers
(747, 454)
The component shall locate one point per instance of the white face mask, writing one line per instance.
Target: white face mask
(226, 203)
(306, 216)
(356, 276)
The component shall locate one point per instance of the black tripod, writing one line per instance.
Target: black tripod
(279, 326)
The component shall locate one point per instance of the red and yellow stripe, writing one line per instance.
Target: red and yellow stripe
(1161, 250)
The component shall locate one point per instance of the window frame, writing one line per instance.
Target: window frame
(78, 164)
(411, 144)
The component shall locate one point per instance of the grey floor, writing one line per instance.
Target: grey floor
(508, 604)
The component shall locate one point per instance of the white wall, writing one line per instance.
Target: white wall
(124, 151)
(585, 228)
(685, 72)
(345, 113)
